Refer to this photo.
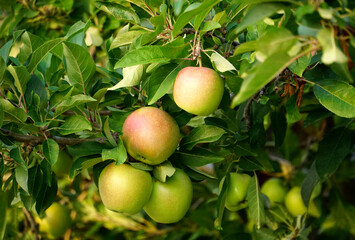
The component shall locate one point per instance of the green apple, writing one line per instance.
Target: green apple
(275, 190)
(236, 191)
(124, 188)
(198, 90)
(171, 200)
(295, 205)
(56, 222)
(63, 164)
(150, 135)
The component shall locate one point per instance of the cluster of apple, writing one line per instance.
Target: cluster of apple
(151, 136)
(276, 191)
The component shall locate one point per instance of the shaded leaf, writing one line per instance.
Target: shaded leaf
(74, 124)
(164, 170)
(199, 157)
(123, 39)
(118, 11)
(72, 102)
(21, 77)
(118, 153)
(12, 113)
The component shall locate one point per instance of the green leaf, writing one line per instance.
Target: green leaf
(199, 157)
(310, 181)
(221, 64)
(15, 153)
(2, 113)
(331, 52)
(162, 80)
(21, 175)
(108, 134)
(255, 202)
(30, 43)
(337, 96)
(47, 195)
(123, 39)
(74, 124)
(141, 166)
(185, 17)
(131, 77)
(279, 125)
(254, 14)
(153, 54)
(72, 102)
(3, 215)
(2, 70)
(118, 11)
(78, 27)
(21, 77)
(163, 170)
(118, 153)
(12, 113)
(209, 26)
(5, 50)
(202, 14)
(221, 202)
(51, 151)
(332, 151)
(293, 115)
(298, 66)
(261, 75)
(83, 163)
(41, 52)
(203, 134)
(246, 47)
(79, 65)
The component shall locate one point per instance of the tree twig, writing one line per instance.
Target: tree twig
(31, 221)
(35, 140)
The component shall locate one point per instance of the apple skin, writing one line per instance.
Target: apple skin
(150, 135)
(236, 191)
(171, 200)
(124, 188)
(275, 190)
(295, 205)
(198, 90)
(56, 222)
(63, 164)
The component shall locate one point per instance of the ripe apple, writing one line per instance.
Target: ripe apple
(236, 191)
(295, 205)
(56, 222)
(124, 188)
(275, 190)
(150, 135)
(171, 200)
(198, 90)
(63, 164)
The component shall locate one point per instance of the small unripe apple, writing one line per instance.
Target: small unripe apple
(150, 135)
(63, 164)
(171, 200)
(198, 90)
(124, 188)
(295, 205)
(236, 191)
(275, 190)
(56, 222)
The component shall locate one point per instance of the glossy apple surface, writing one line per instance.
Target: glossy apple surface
(236, 191)
(198, 90)
(150, 135)
(63, 164)
(171, 200)
(124, 188)
(56, 222)
(275, 190)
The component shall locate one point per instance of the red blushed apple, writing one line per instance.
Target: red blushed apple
(198, 90)
(150, 135)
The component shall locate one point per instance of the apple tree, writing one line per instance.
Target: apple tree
(177, 119)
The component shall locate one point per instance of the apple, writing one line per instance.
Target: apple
(198, 90)
(171, 200)
(56, 222)
(295, 205)
(150, 135)
(124, 188)
(275, 190)
(236, 191)
(63, 164)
